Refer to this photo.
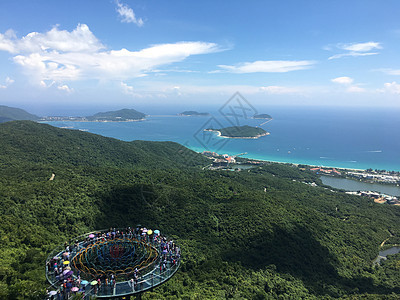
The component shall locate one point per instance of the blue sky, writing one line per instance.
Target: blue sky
(93, 54)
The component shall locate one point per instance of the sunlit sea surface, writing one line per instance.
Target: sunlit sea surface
(346, 138)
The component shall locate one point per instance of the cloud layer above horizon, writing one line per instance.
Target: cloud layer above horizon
(59, 55)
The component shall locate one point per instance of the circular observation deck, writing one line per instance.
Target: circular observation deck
(115, 263)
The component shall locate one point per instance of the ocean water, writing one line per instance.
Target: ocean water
(337, 137)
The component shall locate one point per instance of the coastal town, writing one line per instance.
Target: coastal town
(224, 161)
(229, 162)
(377, 197)
(371, 176)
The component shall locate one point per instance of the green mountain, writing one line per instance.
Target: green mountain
(257, 234)
(23, 141)
(118, 115)
(10, 113)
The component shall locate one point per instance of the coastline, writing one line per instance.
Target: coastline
(291, 163)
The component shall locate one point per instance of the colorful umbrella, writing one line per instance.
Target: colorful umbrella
(94, 282)
(52, 293)
(55, 258)
(68, 268)
(157, 231)
(66, 262)
(84, 282)
(65, 272)
(91, 235)
(149, 231)
(75, 289)
(70, 273)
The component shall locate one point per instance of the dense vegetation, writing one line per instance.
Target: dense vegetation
(118, 115)
(242, 131)
(262, 116)
(257, 234)
(10, 113)
(193, 113)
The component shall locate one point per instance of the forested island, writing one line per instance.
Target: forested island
(259, 234)
(262, 116)
(240, 132)
(190, 113)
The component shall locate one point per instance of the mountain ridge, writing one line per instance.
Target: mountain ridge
(8, 113)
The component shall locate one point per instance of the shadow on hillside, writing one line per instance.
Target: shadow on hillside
(126, 204)
(296, 252)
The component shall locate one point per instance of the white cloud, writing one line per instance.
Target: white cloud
(393, 87)
(360, 47)
(280, 90)
(127, 14)
(59, 55)
(79, 40)
(343, 80)
(267, 66)
(8, 82)
(355, 89)
(65, 88)
(352, 54)
(127, 89)
(348, 83)
(390, 71)
(355, 49)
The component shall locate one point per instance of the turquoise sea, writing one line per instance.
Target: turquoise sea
(338, 137)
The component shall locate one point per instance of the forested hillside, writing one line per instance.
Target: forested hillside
(257, 234)
(11, 113)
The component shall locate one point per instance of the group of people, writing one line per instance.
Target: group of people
(69, 283)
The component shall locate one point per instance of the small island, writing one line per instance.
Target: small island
(190, 113)
(262, 116)
(240, 132)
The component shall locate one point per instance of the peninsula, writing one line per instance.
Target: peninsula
(122, 115)
(190, 113)
(240, 132)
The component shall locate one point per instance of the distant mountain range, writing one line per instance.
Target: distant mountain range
(11, 113)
